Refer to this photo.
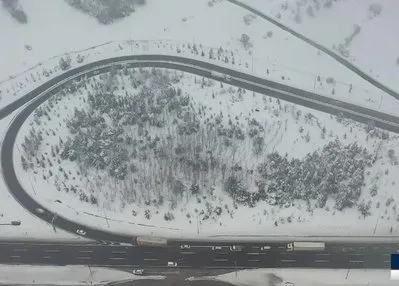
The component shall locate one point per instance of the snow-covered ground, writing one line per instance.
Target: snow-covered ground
(305, 277)
(268, 49)
(133, 205)
(269, 53)
(31, 227)
(363, 32)
(64, 275)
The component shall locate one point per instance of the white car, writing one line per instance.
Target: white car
(81, 232)
(185, 246)
(265, 248)
(138, 271)
(40, 210)
(216, 248)
(236, 248)
(172, 264)
(227, 77)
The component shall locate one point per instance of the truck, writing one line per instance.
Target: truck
(150, 241)
(220, 75)
(305, 246)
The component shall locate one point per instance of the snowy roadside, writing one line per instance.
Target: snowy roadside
(64, 275)
(265, 51)
(304, 277)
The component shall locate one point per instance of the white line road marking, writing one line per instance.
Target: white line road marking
(150, 259)
(254, 260)
(46, 257)
(323, 254)
(85, 251)
(51, 250)
(15, 256)
(20, 249)
(253, 253)
(186, 252)
(118, 258)
(119, 252)
(321, 261)
(356, 261)
(220, 260)
(288, 260)
(387, 261)
(83, 257)
(355, 254)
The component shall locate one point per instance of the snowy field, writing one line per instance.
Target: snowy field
(64, 275)
(305, 277)
(265, 51)
(350, 28)
(193, 156)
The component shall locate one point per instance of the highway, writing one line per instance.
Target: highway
(335, 255)
(202, 256)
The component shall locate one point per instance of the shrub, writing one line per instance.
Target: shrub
(65, 63)
(169, 216)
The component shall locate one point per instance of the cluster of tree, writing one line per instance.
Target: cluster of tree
(15, 10)
(106, 12)
(336, 172)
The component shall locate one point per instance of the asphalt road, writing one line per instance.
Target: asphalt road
(336, 255)
(222, 259)
(325, 50)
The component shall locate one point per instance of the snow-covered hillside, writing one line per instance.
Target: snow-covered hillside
(364, 32)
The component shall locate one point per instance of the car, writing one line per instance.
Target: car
(216, 248)
(236, 248)
(227, 77)
(16, 222)
(265, 247)
(185, 246)
(81, 232)
(172, 264)
(138, 271)
(40, 211)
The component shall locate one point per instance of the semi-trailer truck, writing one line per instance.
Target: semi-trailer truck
(150, 241)
(306, 246)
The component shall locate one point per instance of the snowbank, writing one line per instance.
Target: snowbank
(305, 277)
(64, 275)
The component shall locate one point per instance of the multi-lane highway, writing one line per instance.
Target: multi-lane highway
(202, 255)
(335, 255)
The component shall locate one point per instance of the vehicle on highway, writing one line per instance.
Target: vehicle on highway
(138, 271)
(81, 232)
(306, 246)
(150, 241)
(265, 247)
(216, 248)
(185, 246)
(236, 248)
(172, 264)
(39, 210)
(16, 222)
(220, 75)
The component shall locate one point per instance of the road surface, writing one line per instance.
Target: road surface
(335, 256)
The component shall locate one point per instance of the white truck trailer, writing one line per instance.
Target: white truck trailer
(150, 241)
(306, 246)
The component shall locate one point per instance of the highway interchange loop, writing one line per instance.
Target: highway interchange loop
(39, 95)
